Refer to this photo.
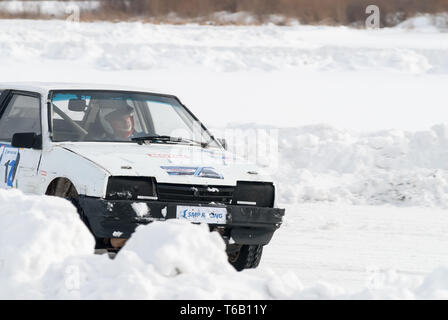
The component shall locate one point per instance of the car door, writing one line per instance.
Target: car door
(19, 113)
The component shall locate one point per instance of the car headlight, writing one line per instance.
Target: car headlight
(260, 194)
(131, 188)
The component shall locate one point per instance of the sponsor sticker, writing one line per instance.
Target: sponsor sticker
(201, 172)
(202, 214)
(9, 162)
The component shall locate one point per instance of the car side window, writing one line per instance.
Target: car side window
(20, 115)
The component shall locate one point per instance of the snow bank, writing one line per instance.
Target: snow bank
(37, 232)
(392, 285)
(426, 22)
(322, 163)
(46, 253)
(137, 46)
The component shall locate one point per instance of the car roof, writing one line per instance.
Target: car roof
(44, 87)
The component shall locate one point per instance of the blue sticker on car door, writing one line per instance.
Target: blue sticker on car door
(9, 162)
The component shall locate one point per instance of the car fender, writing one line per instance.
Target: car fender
(89, 178)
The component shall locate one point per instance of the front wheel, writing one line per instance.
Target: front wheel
(244, 256)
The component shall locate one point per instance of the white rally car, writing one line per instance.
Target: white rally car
(128, 157)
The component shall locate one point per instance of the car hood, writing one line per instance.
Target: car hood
(169, 163)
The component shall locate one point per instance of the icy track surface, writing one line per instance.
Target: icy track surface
(365, 192)
(362, 247)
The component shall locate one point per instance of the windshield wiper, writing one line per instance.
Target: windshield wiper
(152, 138)
(158, 138)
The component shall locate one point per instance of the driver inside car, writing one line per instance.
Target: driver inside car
(122, 122)
(119, 124)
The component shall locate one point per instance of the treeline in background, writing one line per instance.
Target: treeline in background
(338, 12)
(332, 12)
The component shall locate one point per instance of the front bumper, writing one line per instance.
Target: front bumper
(118, 219)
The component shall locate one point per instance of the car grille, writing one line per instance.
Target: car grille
(194, 193)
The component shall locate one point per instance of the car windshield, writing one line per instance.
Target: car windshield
(115, 116)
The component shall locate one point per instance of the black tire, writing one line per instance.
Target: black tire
(245, 256)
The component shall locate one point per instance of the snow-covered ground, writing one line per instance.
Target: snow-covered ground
(355, 246)
(283, 76)
(362, 159)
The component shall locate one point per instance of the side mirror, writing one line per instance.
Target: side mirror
(223, 142)
(77, 105)
(29, 140)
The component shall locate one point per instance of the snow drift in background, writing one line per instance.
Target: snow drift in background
(322, 163)
(426, 22)
(137, 46)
